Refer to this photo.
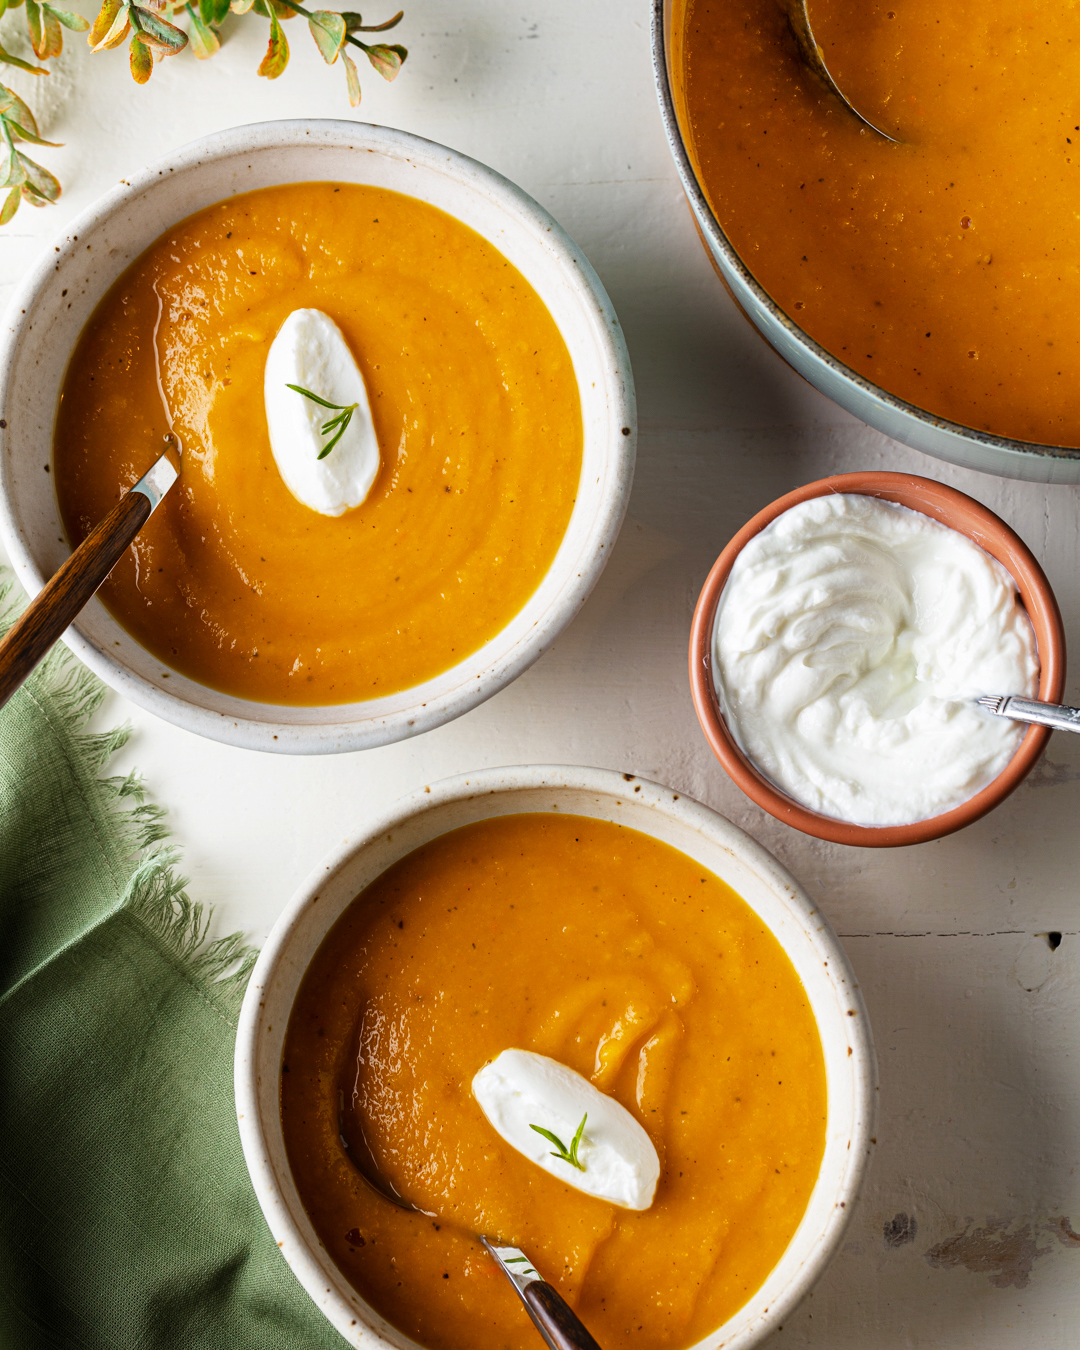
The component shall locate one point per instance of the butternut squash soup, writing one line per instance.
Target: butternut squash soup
(235, 582)
(945, 268)
(620, 958)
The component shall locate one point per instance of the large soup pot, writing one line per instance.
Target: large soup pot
(903, 421)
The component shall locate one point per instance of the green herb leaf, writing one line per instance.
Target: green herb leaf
(567, 1155)
(141, 59)
(352, 80)
(110, 27)
(7, 59)
(340, 422)
(157, 32)
(40, 180)
(204, 41)
(356, 24)
(277, 52)
(328, 30)
(75, 22)
(11, 205)
(387, 60)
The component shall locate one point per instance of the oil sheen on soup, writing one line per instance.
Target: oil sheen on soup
(615, 955)
(236, 583)
(945, 268)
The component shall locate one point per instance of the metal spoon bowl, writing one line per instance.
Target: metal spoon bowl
(549, 1312)
(814, 60)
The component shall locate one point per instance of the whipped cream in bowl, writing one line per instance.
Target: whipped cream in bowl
(840, 644)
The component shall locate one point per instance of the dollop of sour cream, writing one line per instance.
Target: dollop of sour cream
(310, 351)
(851, 639)
(519, 1089)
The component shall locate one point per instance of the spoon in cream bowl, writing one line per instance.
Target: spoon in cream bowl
(74, 583)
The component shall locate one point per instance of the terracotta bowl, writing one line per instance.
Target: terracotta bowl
(961, 513)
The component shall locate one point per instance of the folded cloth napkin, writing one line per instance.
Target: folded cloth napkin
(126, 1216)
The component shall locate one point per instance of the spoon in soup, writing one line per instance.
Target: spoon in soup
(73, 584)
(551, 1315)
(814, 59)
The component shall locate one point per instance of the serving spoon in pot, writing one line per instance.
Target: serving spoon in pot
(70, 587)
(551, 1315)
(814, 59)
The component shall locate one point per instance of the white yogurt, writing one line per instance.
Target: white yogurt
(851, 639)
(310, 350)
(519, 1089)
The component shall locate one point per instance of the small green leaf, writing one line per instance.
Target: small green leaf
(328, 30)
(74, 22)
(11, 205)
(12, 173)
(352, 80)
(8, 60)
(357, 25)
(110, 27)
(141, 59)
(157, 32)
(277, 52)
(566, 1155)
(220, 10)
(206, 11)
(33, 197)
(40, 180)
(31, 137)
(387, 60)
(204, 41)
(241, 6)
(15, 110)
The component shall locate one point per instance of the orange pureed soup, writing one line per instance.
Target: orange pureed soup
(626, 961)
(947, 268)
(236, 583)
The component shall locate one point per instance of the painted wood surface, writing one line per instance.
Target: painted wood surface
(969, 1231)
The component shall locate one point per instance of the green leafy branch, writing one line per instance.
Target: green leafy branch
(567, 1155)
(151, 36)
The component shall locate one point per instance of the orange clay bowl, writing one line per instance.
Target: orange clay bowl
(958, 511)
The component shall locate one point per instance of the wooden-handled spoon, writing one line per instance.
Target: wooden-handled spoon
(68, 589)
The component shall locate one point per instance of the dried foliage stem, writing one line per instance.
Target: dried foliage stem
(151, 36)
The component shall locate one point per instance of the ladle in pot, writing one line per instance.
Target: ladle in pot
(814, 60)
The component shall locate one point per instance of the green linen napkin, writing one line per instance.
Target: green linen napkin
(127, 1219)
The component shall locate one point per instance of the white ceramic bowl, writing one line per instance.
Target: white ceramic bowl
(699, 832)
(59, 294)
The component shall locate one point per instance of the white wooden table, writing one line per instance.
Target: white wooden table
(963, 1237)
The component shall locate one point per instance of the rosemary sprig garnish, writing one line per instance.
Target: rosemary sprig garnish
(568, 1155)
(336, 425)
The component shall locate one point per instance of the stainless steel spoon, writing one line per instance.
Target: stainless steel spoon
(814, 60)
(549, 1312)
(1054, 715)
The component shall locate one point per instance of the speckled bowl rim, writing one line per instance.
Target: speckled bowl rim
(960, 512)
(786, 908)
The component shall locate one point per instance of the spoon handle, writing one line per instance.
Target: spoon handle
(71, 586)
(1054, 715)
(554, 1319)
(551, 1315)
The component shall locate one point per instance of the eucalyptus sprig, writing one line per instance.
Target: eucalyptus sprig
(568, 1155)
(335, 426)
(151, 34)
